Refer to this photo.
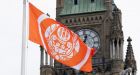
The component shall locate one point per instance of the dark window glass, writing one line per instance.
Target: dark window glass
(70, 20)
(75, 2)
(91, 18)
(100, 18)
(66, 21)
(92, 1)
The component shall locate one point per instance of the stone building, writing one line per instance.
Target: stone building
(100, 21)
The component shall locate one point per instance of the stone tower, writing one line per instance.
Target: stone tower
(100, 20)
(130, 61)
(46, 63)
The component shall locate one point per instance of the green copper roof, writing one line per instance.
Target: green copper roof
(83, 6)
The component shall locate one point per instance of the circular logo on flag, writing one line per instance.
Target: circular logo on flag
(62, 43)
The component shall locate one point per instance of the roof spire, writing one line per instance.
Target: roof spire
(130, 61)
(129, 41)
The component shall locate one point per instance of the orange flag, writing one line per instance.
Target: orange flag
(61, 43)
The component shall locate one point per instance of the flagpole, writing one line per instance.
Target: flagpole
(24, 38)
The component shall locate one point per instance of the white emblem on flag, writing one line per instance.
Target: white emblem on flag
(59, 41)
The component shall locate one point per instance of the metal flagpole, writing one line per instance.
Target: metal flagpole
(24, 38)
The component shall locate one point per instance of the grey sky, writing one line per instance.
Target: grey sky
(11, 33)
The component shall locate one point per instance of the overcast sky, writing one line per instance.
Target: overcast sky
(11, 33)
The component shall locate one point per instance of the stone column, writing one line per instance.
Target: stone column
(134, 73)
(41, 56)
(51, 61)
(46, 58)
(117, 49)
(121, 50)
(113, 50)
(76, 72)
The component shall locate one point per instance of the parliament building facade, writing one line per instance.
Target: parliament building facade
(101, 22)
